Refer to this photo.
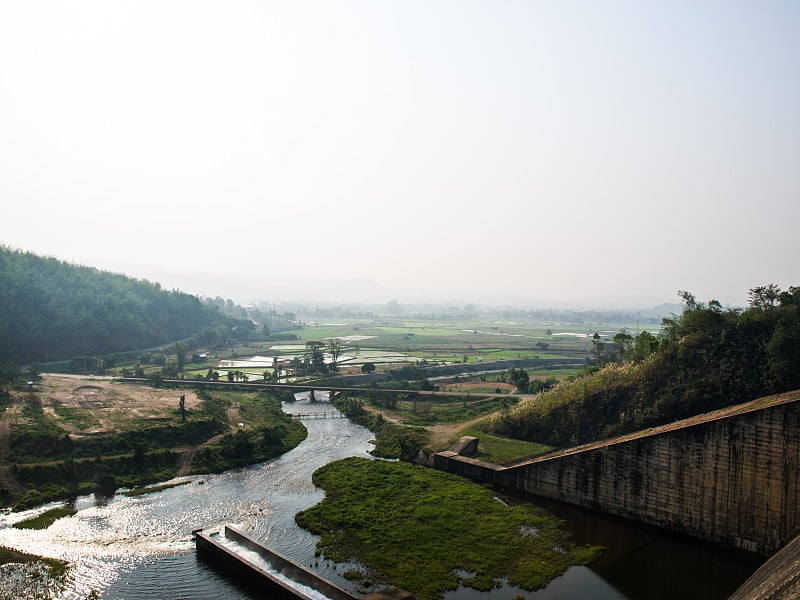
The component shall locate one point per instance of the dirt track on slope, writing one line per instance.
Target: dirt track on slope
(442, 435)
(92, 406)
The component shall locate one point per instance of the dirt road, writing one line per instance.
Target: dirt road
(91, 406)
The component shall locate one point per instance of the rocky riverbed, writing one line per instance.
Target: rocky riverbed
(28, 581)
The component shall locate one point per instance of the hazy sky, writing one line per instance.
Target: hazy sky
(541, 152)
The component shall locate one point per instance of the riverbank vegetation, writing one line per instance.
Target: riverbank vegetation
(392, 440)
(125, 436)
(265, 432)
(153, 489)
(707, 358)
(57, 568)
(47, 518)
(428, 532)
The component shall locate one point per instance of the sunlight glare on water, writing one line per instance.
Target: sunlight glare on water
(141, 548)
(112, 536)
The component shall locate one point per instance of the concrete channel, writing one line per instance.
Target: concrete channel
(286, 580)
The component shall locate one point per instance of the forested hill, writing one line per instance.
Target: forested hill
(53, 310)
(708, 358)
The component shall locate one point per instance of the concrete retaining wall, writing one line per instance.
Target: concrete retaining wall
(210, 547)
(730, 477)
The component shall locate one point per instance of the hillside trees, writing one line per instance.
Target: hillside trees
(52, 310)
(517, 377)
(705, 359)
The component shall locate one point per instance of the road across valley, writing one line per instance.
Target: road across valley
(306, 387)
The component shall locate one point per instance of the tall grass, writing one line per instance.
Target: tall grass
(427, 531)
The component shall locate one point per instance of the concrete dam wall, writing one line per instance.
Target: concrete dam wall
(730, 476)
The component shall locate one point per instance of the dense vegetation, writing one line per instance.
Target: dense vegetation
(427, 531)
(58, 480)
(9, 373)
(706, 359)
(270, 432)
(53, 310)
(52, 465)
(391, 440)
(45, 519)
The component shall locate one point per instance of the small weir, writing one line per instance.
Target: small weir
(319, 415)
(249, 559)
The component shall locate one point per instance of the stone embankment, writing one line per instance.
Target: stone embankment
(732, 476)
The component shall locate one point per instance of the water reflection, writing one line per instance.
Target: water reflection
(578, 583)
(645, 563)
(123, 545)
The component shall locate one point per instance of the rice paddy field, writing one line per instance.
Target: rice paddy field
(389, 343)
(473, 356)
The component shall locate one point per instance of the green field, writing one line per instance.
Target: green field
(398, 521)
(504, 451)
(388, 342)
(44, 520)
(407, 349)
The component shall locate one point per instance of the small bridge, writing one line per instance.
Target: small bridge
(319, 415)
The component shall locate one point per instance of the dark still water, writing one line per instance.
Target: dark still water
(141, 548)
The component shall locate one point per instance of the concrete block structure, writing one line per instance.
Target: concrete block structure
(730, 476)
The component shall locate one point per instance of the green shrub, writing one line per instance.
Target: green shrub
(391, 440)
(707, 359)
(44, 520)
(396, 519)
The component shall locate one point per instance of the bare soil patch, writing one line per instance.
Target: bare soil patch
(443, 435)
(108, 403)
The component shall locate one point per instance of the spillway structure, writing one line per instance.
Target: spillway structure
(248, 560)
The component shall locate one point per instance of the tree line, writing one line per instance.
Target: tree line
(54, 310)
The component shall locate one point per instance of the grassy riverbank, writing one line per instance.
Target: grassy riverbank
(71, 436)
(56, 568)
(428, 531)
(47, 518)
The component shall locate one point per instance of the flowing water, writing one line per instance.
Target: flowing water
(141, 548)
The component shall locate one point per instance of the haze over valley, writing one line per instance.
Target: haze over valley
(296, 267)
(573, 155)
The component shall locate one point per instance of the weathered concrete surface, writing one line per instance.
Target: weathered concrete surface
(729, 476)
(777, 579)
(234, 563)
(466, 446)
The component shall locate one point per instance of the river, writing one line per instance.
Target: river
(141, 548)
